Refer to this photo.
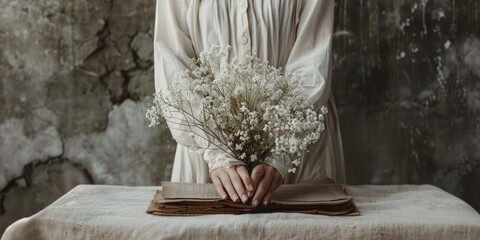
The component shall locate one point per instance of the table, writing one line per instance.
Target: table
(118, 212)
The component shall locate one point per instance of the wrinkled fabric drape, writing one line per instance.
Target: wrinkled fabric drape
(295, 35)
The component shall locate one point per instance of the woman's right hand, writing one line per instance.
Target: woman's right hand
(233, 182)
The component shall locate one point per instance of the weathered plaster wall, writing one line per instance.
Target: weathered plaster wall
(75, 77)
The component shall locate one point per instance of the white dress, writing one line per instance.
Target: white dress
(295, 35)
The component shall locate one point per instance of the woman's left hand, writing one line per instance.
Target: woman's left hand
(266, 179)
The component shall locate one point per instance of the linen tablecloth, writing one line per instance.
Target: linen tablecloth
(118, 212)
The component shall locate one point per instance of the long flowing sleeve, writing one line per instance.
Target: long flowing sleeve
(171, 42)
(311, 55)
(173, 48)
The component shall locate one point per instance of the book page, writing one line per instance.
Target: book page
(290, 193)
(309, 192)
(189, 190)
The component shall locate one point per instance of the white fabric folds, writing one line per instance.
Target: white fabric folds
(295, 35)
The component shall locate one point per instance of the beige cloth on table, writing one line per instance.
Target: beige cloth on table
(295, 35)
(118, 212)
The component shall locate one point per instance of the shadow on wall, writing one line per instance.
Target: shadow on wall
(76, 76)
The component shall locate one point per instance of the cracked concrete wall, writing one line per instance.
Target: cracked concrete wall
(75, 77)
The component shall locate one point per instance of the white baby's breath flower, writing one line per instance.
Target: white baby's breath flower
(244, 106)
(296, 162)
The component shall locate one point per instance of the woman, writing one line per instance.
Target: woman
(295, 35)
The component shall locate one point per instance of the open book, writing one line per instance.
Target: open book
(186, 199)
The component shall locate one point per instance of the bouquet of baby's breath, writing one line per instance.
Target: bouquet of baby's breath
(246, 107)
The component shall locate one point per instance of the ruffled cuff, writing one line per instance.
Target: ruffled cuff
(216, 158)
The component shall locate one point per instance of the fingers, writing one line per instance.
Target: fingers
(230, 182)
(237, 184)
(266, 179)
(219, 186)
(257, 174)
(245, 176)
(262, 186)
(276, 182)
(222, 182)
(227, 184)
